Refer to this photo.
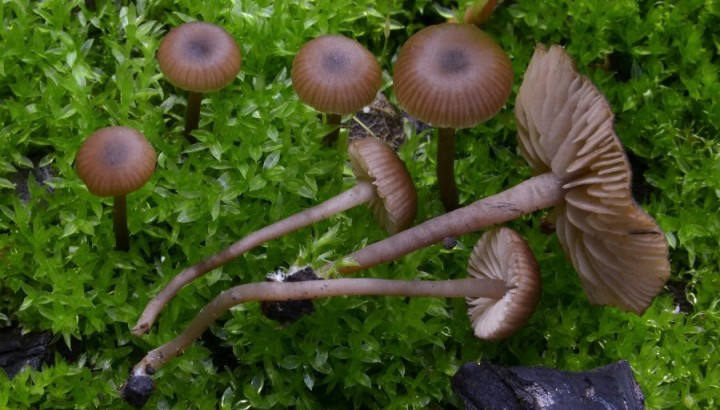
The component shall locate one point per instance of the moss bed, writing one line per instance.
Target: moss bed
(66, 71)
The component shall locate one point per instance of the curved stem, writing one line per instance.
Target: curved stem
(536, 193)
(192, 117)
(361, 193)
(264, 291)
(122, 237)
(445, 169)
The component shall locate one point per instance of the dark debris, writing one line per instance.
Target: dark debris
(381, 120)
(137, 390)
(286, 312)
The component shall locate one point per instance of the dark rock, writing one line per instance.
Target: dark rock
(137, 390)
(17, 350)
(449, 242)
(486, 386)
(289, 311)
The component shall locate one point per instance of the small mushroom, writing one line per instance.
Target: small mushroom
(479, 11)
(566, 133)
(502, 293)
(115, 161)
(335, 75)
(502, 254)
(198, 57)
(382, 182)
(451, 76)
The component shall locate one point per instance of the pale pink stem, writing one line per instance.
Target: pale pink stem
(361, 193)
(313, 289)
(542, 191)
(539, 192)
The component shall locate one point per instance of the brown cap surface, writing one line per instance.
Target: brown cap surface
(502, 254)
(395, 203)
(115, 161)
(452, 76)
(565, 126)
(335, 74)
(199, 57)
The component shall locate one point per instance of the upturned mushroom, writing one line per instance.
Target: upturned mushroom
(335, 75)
(198, 57)
(566, 133)
(382, 182)
(502, 292)
(115, 161)
(451, 76)
(502, 254)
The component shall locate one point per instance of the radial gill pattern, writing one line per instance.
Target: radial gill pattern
(452, 76)
(502, 254)
(115, 161)
(199, 57)
(396, 203)
(335, 74)
(565, 126)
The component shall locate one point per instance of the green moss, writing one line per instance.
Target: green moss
(65, 71)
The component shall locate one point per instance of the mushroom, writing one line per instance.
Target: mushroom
(335, 75)
(479, 11)
(566, 133)
(115, 161)
(382, 182)
(502, 254)
(451, 76)
(502, 292)
(198, 57)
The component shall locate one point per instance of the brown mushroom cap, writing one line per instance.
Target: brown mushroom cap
(115, 161)
(335, 74)
(452, 76)
(199, 57)
(395, 202)
(502, 254)
(565, 126)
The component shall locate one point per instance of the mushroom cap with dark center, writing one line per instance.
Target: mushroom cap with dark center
(395, 202)
(115, 161)
(565, 126)
(502, 254)
(335, 74)
(199, 57)
(452, 76)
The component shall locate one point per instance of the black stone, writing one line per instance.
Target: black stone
(18, 350)
(137, 390)
(289, 311)
(449, 242)
(486, 386)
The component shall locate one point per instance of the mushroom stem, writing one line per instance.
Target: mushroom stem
(314, 289)
(446, 168)
(122, 237)
(192, 118)
(542, 191)
(361, 193)
(334, 120)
